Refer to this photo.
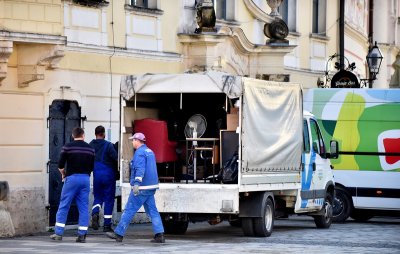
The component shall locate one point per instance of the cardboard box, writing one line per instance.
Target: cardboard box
(232, 122)
(234, 110)
(199, 171)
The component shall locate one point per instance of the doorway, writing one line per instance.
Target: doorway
(64, 115)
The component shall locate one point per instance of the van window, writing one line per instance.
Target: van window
(306, 139)
(317, 141)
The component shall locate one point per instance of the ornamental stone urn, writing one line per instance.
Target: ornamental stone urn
(277, 30)
(274, 4)
(205, 16)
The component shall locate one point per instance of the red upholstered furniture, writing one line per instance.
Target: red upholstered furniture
(156, 133)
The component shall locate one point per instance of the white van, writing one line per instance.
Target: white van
(366, 123)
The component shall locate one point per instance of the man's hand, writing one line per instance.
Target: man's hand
(62, 171)
(135, 189)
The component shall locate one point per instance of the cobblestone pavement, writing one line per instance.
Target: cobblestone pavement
(296, 235)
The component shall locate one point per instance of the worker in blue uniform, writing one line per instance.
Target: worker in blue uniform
(78, 156)
(103, 179)
(144, 183)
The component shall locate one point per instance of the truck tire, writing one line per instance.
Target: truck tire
(263, 226)
(325, 220)
(361, 215)
(173, 227)
(236, 223)
(342, 206)
(247, 226)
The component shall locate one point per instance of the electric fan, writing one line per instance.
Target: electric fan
(195, 128)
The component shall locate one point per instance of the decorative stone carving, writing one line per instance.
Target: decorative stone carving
(229, 50)
(274, 4)
(33, 60)
(29, 73)
(6, 48)
(53, 58)
(277, 31)
(205, 16)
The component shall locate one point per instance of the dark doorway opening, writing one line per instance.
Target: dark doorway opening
(64, 115)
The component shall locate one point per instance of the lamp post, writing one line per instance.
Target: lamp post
(374, 61)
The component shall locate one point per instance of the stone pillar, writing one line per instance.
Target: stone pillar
(269, 64)
(201, 51)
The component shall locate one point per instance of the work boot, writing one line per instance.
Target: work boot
(95, 221)
(81, 239)
(158, 238)
(56, 237)
(107, 228)
(114, 236)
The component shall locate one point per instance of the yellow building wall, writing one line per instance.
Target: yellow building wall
(116, 14)
(33, 16)
(97, 63)
(169, 25)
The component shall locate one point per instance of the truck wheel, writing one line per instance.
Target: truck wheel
(175, 227)
(325, 220)
(263, 226)
(361, 215)
(237, 223)
(247, 226)
(342, 206)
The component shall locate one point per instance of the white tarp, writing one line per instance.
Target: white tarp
(272, 127)
(205, 82)
(272, 114)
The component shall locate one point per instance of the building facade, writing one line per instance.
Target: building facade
(61, 62)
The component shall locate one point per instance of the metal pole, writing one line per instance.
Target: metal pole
(370, 37)
(341, 33)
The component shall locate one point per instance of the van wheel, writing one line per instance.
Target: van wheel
(325, 220)
(361, 215)
(263, 226)
(175, 227)
(247, 226)
(342, 206)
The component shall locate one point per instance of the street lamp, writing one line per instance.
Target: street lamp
(374, 60)
(345, 77)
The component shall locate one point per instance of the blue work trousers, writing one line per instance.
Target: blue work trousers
(145, 198)
(76, 187)
(103, 191)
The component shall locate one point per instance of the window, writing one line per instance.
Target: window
(306, 139)
(225, 9)
(92, 3)
(288, 12)
(148, 4)
(140, 3)
(317, 142)
(318, 17)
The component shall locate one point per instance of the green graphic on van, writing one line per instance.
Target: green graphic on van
(366, 123)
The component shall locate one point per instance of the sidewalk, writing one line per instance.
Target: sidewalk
(295, 235)
(137, 237)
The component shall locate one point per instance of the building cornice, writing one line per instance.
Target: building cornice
(33, 38)
(109, 51)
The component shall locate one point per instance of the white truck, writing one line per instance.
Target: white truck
(283, 163)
